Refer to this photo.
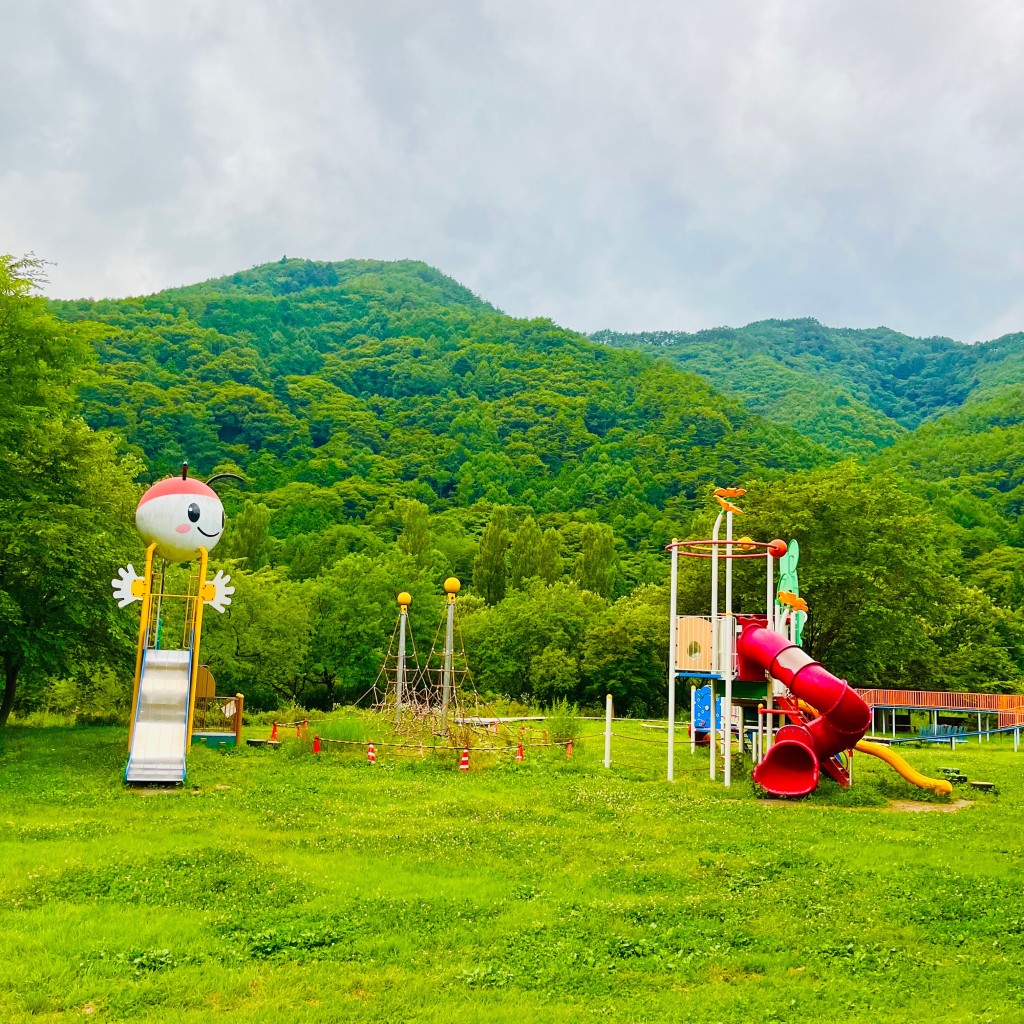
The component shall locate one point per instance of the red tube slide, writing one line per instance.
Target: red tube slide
(792, 764)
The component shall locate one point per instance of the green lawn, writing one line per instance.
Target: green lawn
(282, 887)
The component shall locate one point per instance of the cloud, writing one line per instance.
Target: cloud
(657, 165)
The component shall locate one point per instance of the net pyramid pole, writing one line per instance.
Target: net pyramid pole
(451, 587)
(404, 600)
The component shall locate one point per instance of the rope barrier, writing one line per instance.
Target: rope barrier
(636, 739)
(442, 746)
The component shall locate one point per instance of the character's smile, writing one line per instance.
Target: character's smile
(216, 533)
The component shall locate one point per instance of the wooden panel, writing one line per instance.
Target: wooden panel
(205, 685)
(694, 644)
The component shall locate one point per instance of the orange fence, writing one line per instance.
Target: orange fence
(1009, 707)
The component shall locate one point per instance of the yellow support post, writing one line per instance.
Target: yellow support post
(197, 626)
(239, 703)
(147, 603)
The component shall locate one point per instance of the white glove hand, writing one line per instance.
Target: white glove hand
(221, 591)
(124, 591)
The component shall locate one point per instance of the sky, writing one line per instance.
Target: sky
(633, 166)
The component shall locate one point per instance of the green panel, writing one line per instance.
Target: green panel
(214, 739)
(749, 691)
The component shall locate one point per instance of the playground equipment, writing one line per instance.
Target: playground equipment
(429, 698)
(700, 723)
(180, 519)
(762, 669)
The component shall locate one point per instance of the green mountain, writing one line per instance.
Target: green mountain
(854, 391)
(969, 463)
(394, 429)
(359, 383)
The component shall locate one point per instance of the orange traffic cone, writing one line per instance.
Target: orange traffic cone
(273, 734)
(371, 754)
(519, 752)
(464, 763)
(316, 744)
(568, 750)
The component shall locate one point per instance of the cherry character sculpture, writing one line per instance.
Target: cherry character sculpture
(181, 520)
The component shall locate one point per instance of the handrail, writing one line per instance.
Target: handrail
(949, 700)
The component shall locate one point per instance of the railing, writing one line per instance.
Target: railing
(1008, 706)
(219, 714)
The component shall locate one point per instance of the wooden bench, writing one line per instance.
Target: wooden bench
(263, 743)
(986, 787)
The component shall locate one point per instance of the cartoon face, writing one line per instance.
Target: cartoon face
(181, 516)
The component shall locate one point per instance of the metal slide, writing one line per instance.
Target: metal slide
(160, 732)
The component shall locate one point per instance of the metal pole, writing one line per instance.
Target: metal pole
(714, 593)
(771, 592)
(608, 731)
(713, 725)
(672, 658)
(728, 563)
(400, 680)
(729, 639)
(446, 678)
(979, 726)
(693, 718)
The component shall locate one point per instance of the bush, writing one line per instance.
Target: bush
(563, 721)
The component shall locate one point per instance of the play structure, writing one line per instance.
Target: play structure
(805, 719)
(180, 520)
(437, 697)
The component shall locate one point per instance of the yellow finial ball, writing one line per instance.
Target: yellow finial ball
(404, 599)
(452, 585)
(746, 544)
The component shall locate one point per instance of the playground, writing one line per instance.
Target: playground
(782, 847)
(281, 886)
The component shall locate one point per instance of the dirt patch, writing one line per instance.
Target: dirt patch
(914, 807)
(158, 790)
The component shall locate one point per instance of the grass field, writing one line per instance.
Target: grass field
(282, 887)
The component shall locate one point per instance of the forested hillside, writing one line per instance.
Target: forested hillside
(969, 464)
(393, 429)
(851, 390)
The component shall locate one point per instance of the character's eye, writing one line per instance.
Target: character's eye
(193, 512)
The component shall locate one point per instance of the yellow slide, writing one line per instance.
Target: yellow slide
(940, 786)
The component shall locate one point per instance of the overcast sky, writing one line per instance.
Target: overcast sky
(631, 165)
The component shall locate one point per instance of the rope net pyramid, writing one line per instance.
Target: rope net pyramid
(430, 698)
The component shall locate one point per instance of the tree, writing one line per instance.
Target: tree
(626, 654)
(354, 614)
(595, 568)
(259, 645)
(66, 503)
(414, 540)
(507, 645)
(525, 553)
(247, 535)
(875, 569)
(489, 572)
(549, 561)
